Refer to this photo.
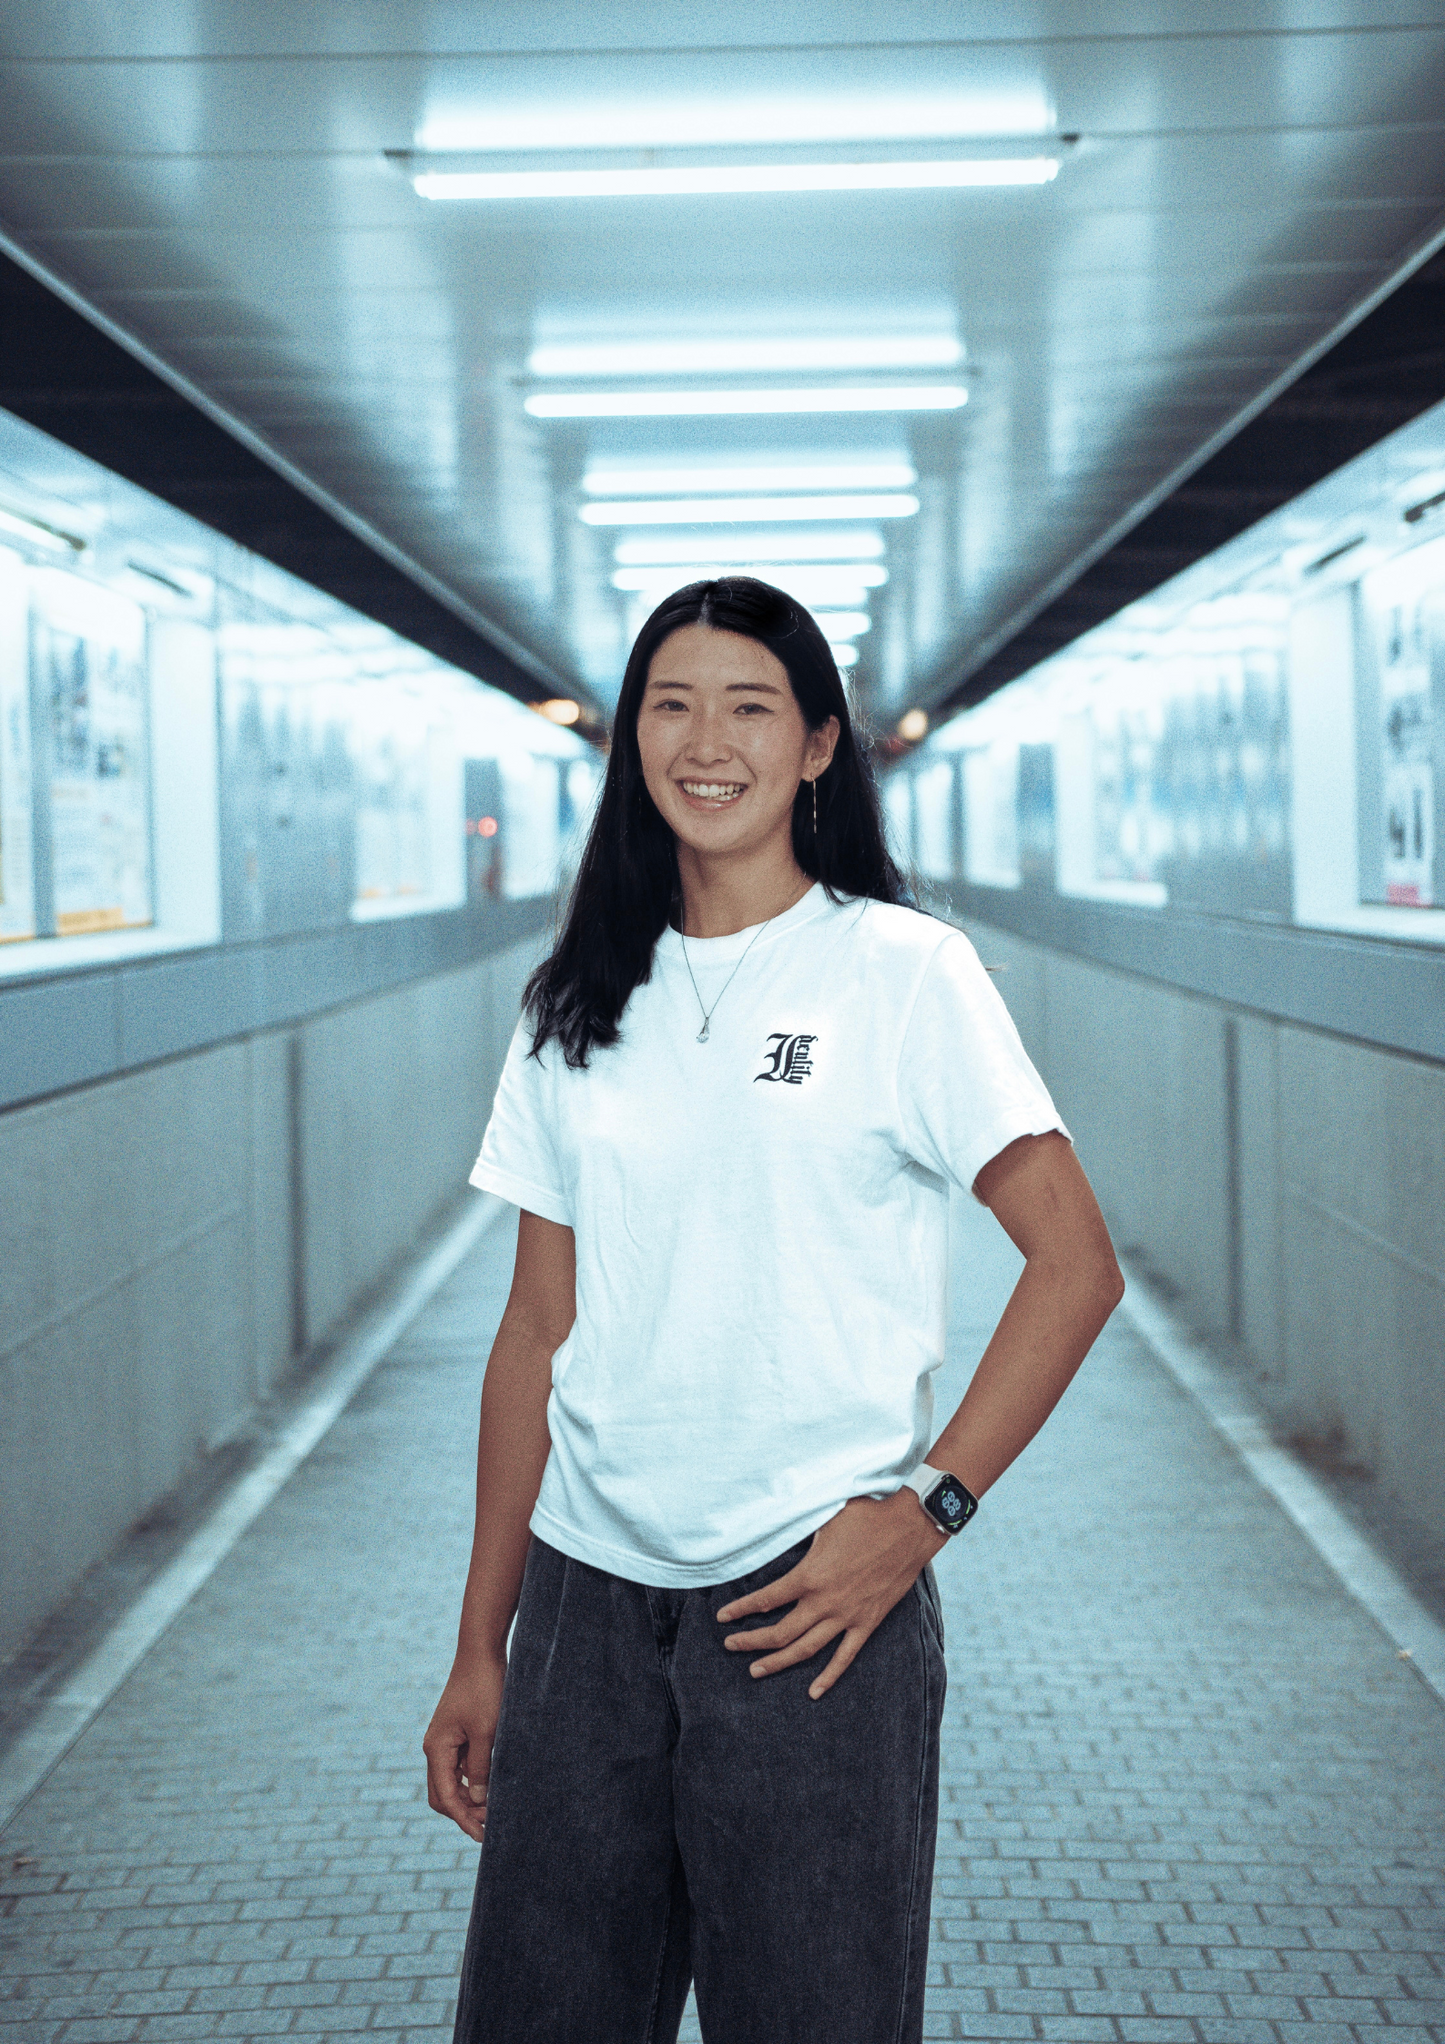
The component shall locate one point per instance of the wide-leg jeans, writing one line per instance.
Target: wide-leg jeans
(657, 1816)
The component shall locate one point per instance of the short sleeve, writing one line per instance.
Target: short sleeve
(519, 1158)
(966, 1088)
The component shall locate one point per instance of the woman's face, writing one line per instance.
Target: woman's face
(723, 742)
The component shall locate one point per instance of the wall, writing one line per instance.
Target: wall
(176, 1239)
(1289, 1182)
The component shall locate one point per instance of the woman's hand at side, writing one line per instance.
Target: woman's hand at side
(867, 1557)
(512, 1450)
(859, 1565)
(458, 1742)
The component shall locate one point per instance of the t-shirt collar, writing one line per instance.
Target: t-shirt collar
(723, 950)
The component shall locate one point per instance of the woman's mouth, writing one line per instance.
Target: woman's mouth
(716, 794)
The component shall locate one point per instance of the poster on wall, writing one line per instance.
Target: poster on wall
(287, 843)
(393, 840)
(991, 814)
(88, 689)
(1405, 611)
(17, 892)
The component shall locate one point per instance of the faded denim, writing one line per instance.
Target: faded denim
(657, 1816)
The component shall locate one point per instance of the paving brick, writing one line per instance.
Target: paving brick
(1189, 1795)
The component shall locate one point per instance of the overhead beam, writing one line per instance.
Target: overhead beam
(1383, 372)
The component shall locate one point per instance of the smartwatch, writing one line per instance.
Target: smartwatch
(949, 1503)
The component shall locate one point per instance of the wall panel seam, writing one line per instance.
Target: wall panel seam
(1363, 1234)
(186, 1240)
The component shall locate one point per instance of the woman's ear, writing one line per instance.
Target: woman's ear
(822, 744)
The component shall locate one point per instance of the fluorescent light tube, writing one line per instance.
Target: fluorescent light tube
(659, 482)
(708, 113)
(809, 582)
(747, 357)
(751, 546)
(683, 404)
(708, 180)
(747, 510)
(844, 624)
(844, 655)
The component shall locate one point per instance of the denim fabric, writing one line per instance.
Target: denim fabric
(656, 1815)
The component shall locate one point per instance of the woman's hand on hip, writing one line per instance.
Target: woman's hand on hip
(458, 1742)
(859, 1565)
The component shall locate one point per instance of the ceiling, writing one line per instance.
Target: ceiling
(228, 185)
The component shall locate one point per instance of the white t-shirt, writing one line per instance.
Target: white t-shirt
(761, 1224)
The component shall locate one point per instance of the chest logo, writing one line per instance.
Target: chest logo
(788, 1062)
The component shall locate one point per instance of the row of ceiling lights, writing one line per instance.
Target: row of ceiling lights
(673, 379)
(703, 378)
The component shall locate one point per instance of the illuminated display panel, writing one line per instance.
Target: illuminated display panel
(195, 747)
(1263, 737)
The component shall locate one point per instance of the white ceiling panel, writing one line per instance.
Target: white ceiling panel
(215, 180)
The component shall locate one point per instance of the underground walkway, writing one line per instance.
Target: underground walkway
(1192, 1794)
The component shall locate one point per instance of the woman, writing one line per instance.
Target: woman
(744, 1081)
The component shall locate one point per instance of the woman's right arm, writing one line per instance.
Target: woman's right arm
(512, 1447)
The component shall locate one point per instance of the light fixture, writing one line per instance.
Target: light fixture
(661, 482)
(52, 537)
(751, 546)
(844, 624)
(742, 357)
(913, 725)
(163, 581)
(560, 710)
(747, 510)
(714, 112)
(1336, 553)
(843, 654)
(1415, 512)
(708, 180)
(827, 585)
(685, 404)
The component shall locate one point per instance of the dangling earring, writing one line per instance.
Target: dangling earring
(815, 809)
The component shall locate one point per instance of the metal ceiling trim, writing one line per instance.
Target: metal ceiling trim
(256, 443)
(949, 682)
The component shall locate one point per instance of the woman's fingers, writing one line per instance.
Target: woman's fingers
(811, 1642)
(763, 1638)
(848, 1649)
(786, 1590)
(448, 1750)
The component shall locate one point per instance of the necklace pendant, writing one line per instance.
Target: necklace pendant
(702, 1034)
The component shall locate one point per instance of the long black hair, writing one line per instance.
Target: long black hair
(627, 888)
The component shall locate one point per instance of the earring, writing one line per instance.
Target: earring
(815, 808)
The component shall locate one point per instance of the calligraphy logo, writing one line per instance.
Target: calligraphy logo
(788, 1061)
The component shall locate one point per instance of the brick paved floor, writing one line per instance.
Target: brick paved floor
(1191, 1796)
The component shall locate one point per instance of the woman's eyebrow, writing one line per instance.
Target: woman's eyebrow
(767, 688)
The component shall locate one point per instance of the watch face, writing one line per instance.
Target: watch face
(951, 1504)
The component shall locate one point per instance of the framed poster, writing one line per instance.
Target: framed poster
(17, 880)
(1404, 608)
(88, 693)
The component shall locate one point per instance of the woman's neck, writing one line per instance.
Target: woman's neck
(722, 896)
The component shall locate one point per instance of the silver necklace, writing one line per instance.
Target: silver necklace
(708, 1013)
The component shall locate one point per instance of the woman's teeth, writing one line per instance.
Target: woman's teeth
(713, 791)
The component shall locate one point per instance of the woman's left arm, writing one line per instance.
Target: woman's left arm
(870, 1554)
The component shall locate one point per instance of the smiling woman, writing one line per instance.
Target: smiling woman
(704, 1483)
(729, 682)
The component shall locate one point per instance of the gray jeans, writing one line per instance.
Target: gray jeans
(656, 1817)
